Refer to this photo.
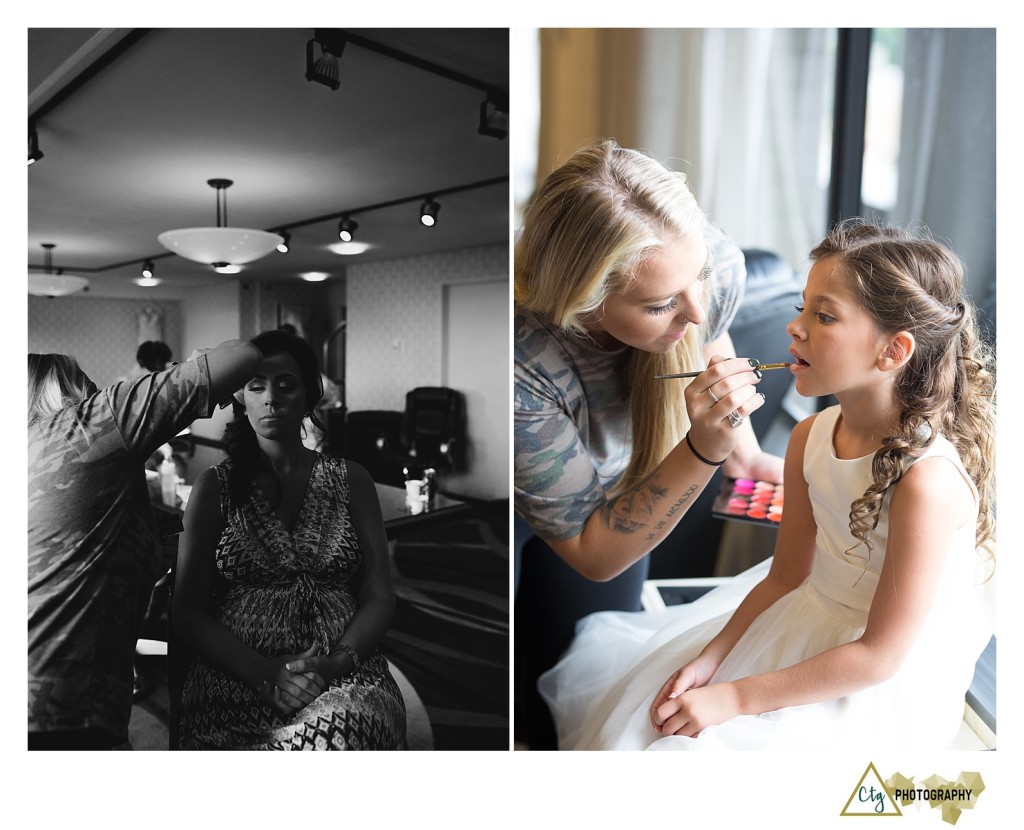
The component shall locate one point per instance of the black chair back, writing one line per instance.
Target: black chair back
(433, 426)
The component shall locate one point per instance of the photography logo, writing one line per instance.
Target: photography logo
(874, 797)
(870, 797)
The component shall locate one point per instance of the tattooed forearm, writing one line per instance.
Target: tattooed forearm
(675, 508)
(635, 509)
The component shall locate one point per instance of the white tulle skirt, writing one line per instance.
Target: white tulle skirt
(601, 691)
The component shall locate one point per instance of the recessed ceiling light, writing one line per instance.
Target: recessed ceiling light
(349, 248)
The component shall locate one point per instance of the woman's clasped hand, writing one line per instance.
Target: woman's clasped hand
(293, 681)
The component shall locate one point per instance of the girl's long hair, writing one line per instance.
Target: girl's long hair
(55, 381)
(586, 232)
(915, 284)
(241, 446)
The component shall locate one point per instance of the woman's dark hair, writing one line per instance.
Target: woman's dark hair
(247, 459)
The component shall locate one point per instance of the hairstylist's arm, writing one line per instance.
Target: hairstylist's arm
(631, 524)
(231, 364)
(747, 460)
(196, 625)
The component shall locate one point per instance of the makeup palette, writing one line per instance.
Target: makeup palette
(748, 500)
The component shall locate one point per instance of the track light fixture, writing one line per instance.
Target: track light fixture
(283, 245)
(494, 116)
(346, 229)
(34, 153)
(428, 213)
(147, 269)
(322, 55)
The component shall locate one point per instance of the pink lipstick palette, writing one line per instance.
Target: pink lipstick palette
(745, 499)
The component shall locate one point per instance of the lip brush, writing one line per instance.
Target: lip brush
(760, 367)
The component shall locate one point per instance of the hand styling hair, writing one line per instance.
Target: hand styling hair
(913, 284)
(241, 446)
(586, 232)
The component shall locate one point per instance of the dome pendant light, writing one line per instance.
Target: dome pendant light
(224, 248)
(54, 285)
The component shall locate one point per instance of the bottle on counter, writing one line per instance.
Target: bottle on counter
(168, 478)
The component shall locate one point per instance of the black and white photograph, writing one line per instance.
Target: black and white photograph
(268, 312)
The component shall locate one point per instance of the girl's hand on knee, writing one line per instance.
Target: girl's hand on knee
(696, 709)
(694, 674)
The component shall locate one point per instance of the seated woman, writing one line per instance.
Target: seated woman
(283, 585)
(864, 629)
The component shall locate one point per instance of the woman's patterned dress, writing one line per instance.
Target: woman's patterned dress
(280, 591)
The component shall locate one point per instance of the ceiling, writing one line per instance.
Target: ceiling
(134, 122)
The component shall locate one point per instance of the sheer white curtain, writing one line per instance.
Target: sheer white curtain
(742, 110)
(947, 158)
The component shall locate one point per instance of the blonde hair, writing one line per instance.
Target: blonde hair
(55, 381)
(587, 231)
(914, 284)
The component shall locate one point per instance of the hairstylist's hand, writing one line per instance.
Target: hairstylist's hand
(727, 386)
(196, 353)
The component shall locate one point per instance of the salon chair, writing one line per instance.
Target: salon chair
(432, 433)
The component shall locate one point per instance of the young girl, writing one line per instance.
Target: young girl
(864, 628)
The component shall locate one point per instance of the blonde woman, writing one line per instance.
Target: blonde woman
(618, 278)
(93, 547)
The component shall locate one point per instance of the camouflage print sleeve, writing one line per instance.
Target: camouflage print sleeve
(151, 410)
(556, 485)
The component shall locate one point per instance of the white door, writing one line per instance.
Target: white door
(477, 362)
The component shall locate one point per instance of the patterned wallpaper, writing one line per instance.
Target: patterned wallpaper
(101, 333)
(394, 321)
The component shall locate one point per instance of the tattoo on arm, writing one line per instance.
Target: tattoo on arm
(675, 508)
(635, 509)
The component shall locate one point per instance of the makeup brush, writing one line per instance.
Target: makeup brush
(762, 367)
